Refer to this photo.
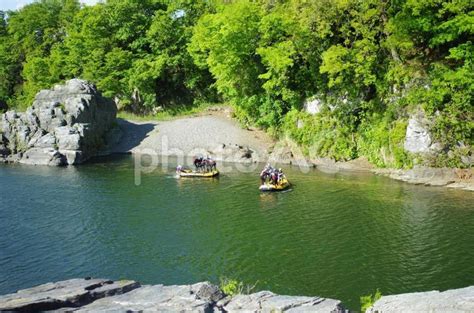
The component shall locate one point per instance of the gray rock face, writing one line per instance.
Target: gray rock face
(64, 294)
(450, 301)
(418, 137)
(71, 119)
(45, 141)
(43, 156)
(68, 138)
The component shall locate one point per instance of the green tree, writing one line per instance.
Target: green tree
(371, 62)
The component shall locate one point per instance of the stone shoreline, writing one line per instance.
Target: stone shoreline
(102, 295)
(287, 152)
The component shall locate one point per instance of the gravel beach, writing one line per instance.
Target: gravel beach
(212, 134)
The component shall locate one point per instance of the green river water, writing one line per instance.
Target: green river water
(339, 235)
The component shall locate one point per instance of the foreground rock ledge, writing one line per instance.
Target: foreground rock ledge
(99, 295)
(449, 301)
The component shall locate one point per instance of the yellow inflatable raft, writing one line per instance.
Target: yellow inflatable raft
(189, 173)
(282, 185)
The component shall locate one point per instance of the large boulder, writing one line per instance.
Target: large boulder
(69, 122)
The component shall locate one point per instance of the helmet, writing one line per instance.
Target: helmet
(279, 169)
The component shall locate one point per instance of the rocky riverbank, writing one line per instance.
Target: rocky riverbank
(71, 123)
(216, 134)
(102, 295)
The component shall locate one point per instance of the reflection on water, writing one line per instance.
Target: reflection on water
(337, 235)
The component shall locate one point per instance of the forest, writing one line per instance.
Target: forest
(370, 63)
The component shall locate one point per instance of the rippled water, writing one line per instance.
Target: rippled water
(334, 235)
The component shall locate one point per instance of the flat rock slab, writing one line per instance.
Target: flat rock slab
(450, 301)
(266, 301)
(68, 293)
(157, 298)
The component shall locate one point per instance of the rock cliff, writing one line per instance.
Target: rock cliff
(64, 125)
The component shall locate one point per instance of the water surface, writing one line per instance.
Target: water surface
(336, 235)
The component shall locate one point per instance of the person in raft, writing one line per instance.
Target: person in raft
(202, 164)
(280, 175)
(271, 174)
(266, 173)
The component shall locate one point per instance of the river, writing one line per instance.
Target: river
(338, 235)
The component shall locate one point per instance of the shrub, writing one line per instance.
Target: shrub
(381, 141)
(369, 300)
(232, 287)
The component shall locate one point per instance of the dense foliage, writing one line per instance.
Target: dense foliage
(371, 63)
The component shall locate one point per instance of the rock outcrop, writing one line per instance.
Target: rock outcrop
(418, 137)
(71, 293)
(455, 300)
(99, 295)
(65, 125)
